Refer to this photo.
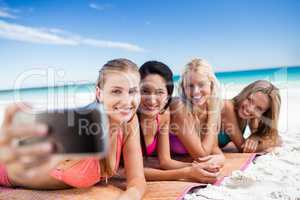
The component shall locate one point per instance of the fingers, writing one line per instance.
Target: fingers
(202, 175)
(10, 154)
(243, 146)
(29, 162)
(217, 160)
(253, 147)
(208, 170)
(23, 131)
(203, 159)
(207, 166)
(28, 130)
(212, 169)
(250, 146)
(11, 110)
(209, 174)
(37, 150)
(246, 146)
(7, 155)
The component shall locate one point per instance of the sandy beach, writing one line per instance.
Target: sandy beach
(275, 175)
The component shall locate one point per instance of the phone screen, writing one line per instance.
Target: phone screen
(76, 130)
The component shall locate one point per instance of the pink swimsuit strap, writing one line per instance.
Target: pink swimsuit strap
(152, 147)
(86, 172)
(4, 181)
(119, 149)
(176, 145)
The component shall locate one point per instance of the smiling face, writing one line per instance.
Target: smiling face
(254, 106)
(154, 94)
(120, 95)
(197, 88)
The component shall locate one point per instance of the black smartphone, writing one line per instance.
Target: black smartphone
(73, 131)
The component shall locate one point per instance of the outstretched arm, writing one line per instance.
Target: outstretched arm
(164, 155)
(34, 173)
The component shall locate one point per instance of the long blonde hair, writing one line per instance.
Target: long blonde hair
(202, 68)
(268, 123)
(120, 65)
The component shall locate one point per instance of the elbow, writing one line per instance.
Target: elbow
(137, 187)
(164, 163)
(143, 188)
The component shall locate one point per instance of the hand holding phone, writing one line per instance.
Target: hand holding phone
(72, 131)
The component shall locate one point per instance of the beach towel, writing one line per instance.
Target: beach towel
(156, 190)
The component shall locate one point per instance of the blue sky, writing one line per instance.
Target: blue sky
(79, 36)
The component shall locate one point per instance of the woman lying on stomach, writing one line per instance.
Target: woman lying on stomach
(195, 115)
(154, 116)
(118, 90)
(256, 106)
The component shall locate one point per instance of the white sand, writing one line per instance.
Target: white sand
(272, 176)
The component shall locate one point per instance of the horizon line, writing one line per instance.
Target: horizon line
(177, 75)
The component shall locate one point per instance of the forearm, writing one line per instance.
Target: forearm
(237, 138)
(210, 139)
(42, 183)
(172, 164)
(264, 144)
(208, 142)
(194, 144)
(152, 174)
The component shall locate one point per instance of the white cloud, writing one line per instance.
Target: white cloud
(28, 34)
(100, 7)
(111, 44)
(5, 13)
(57, 37)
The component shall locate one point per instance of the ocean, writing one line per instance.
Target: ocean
(77, 94)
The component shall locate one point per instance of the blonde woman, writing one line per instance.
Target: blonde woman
(258, 106)
(118, 90)
(195, 115)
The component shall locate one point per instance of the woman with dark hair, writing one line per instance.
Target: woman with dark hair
(154, 116)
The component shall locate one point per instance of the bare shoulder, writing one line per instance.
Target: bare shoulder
(228, 108)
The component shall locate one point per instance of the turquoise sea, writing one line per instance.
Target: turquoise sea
(278, 75)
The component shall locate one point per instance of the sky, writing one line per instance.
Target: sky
(72, 39)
